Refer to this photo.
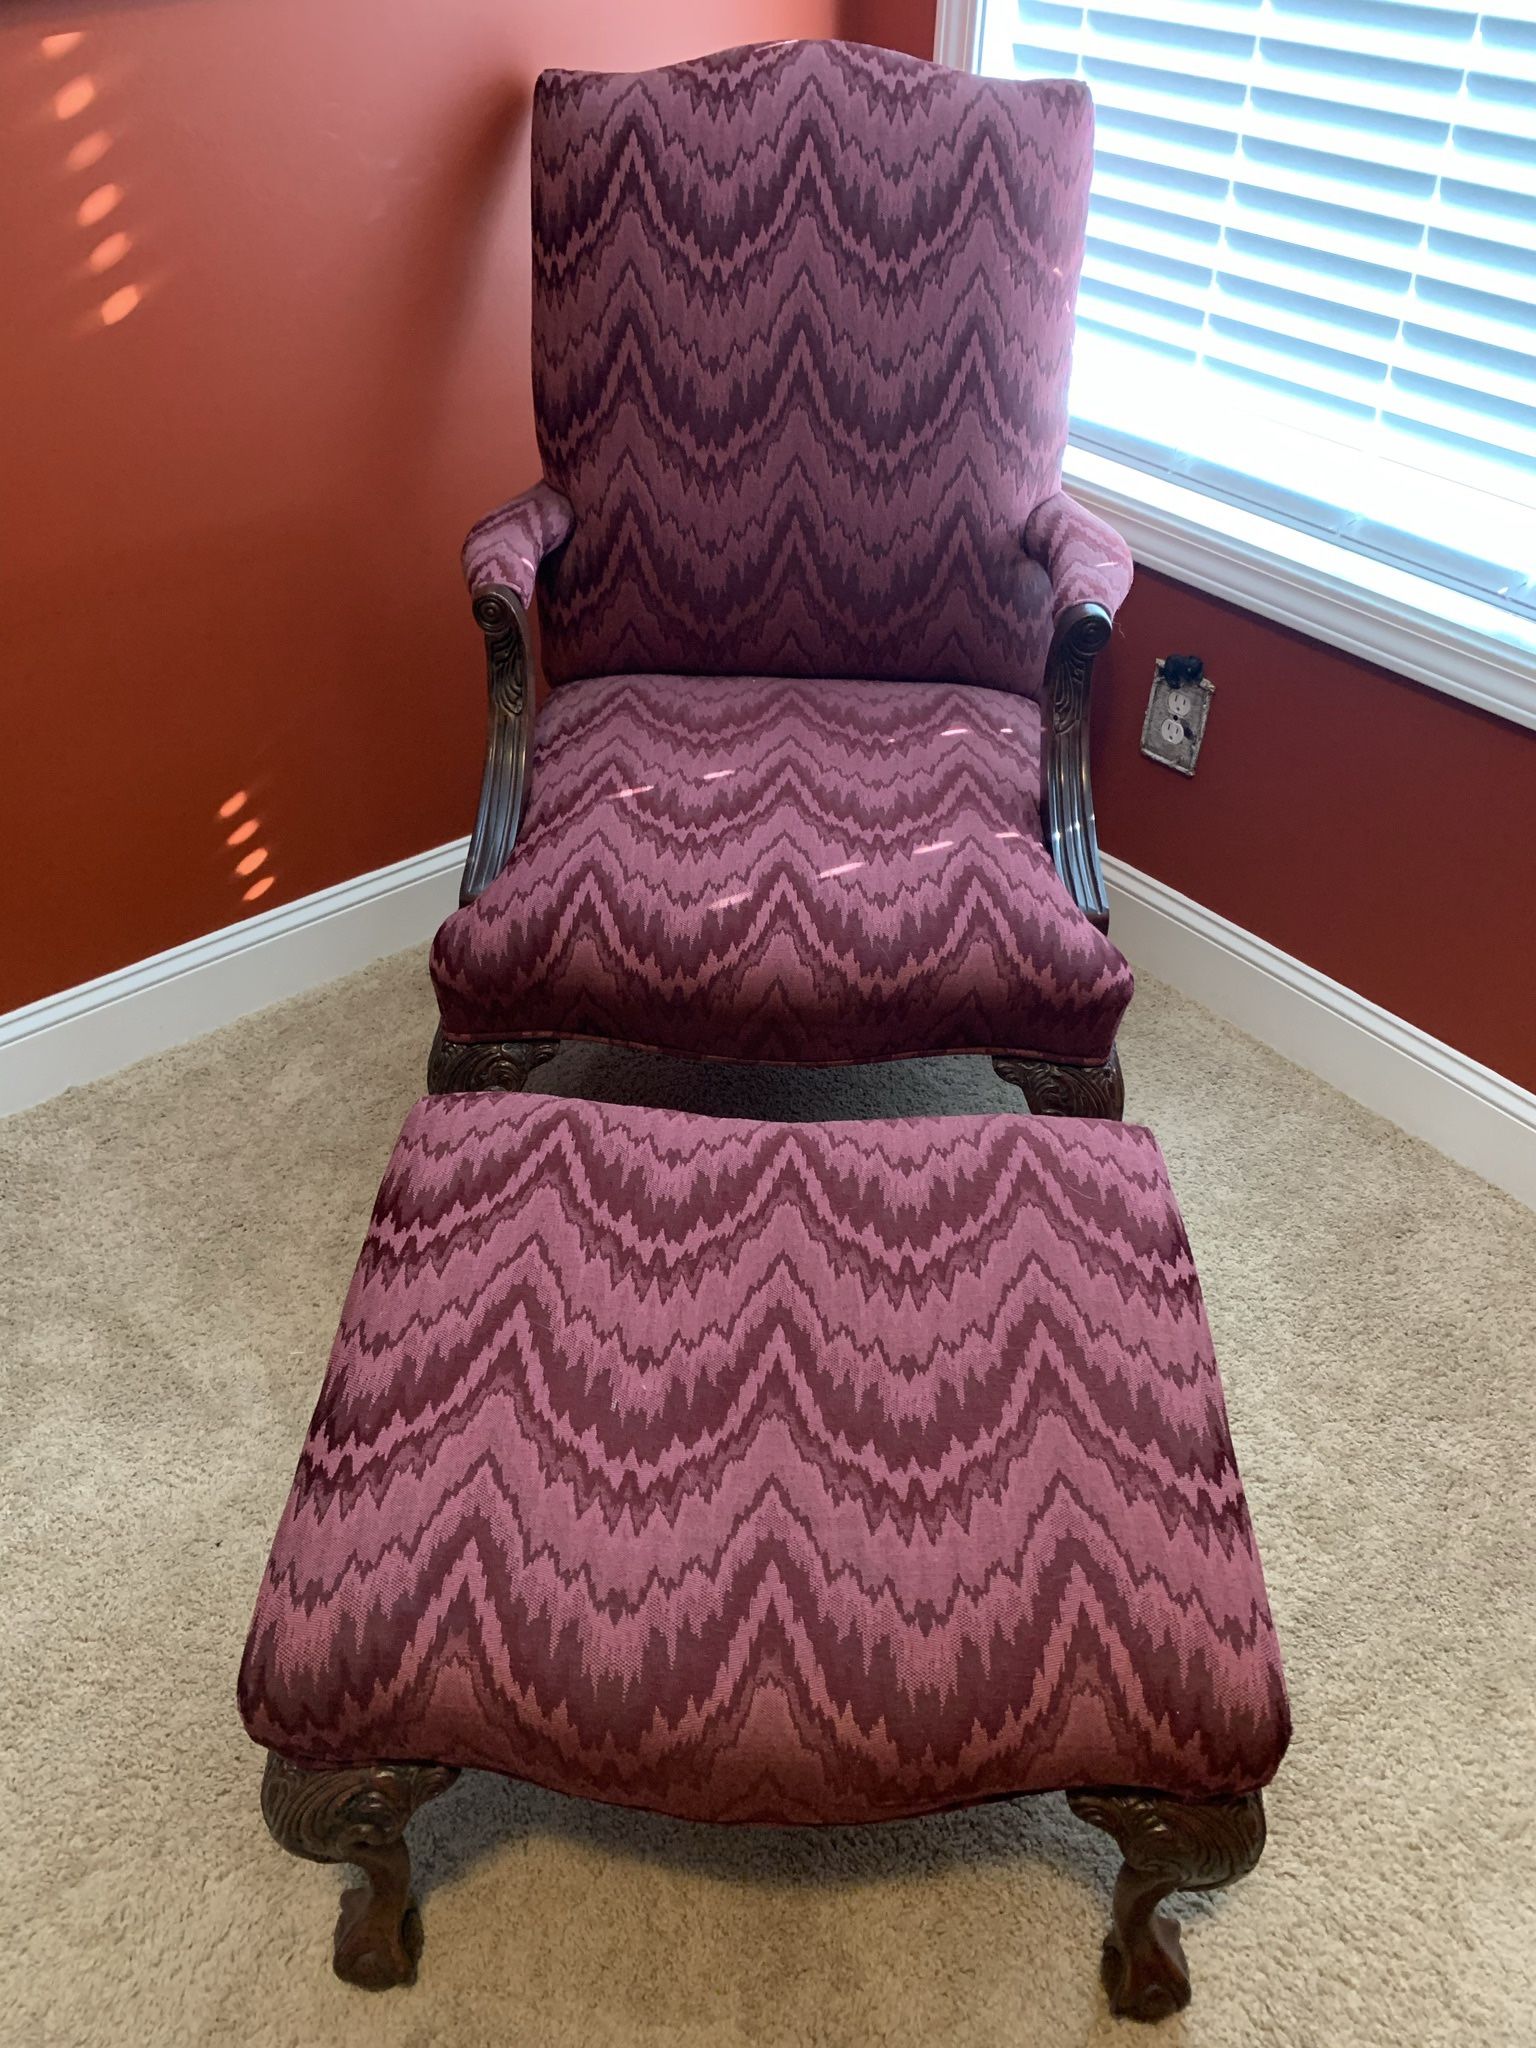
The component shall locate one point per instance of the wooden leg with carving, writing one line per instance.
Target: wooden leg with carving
(458, 1069)
(1169, 1845)
(359, 1816)
(1052, 1090)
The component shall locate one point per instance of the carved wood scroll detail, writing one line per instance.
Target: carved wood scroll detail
(1052, 1090)
(509, 675)
(457, 1068)
(1082, 632)
(1169, 1845)
(359, 1816)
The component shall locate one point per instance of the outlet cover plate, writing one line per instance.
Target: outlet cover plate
(1175, 720)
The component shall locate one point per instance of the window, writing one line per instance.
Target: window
(1309, 288)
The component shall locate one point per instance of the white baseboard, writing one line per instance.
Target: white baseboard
(1467, 1111)
(1463, 1109)
(86, 1032)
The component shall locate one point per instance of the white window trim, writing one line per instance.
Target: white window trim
(1407, 623)
(957, 34)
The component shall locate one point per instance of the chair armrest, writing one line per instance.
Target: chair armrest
(507, 545)
(1087, 561)
(502, 554)
(1090, 570)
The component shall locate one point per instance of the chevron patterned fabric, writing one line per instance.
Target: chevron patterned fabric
(809, 871)
(1087, 561)
(507, 545)
(757, 1472)
(802, 330)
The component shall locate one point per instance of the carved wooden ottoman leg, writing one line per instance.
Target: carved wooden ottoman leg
(1169, 1845)
(1052, 1090)
(359, 1816)
(455, 1068)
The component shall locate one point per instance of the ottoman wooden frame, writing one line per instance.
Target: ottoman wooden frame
(359, 1816)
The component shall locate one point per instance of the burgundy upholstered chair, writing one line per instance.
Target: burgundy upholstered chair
(811, 783)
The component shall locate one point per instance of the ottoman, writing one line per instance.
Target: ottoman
(754, 1472)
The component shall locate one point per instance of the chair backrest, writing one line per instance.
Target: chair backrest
(802, 325)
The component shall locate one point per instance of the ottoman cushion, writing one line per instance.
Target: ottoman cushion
(771, 1472)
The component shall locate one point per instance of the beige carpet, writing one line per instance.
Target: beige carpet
(175, 1246)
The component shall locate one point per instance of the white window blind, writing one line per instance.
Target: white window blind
(1310, 278)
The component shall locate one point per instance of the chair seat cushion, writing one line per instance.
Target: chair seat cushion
(768, 1472)
(778, 870)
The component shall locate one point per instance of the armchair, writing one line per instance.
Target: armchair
(811, 783)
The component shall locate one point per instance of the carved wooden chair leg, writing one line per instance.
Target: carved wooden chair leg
(1169, 1845)
(459, 1069)
(1052, 1090)
(359, 1816)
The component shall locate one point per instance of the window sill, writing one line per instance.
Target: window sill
(1420, 629)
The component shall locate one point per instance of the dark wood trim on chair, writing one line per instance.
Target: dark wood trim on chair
(459, 1068)
(1053, 1090)
(510, 686)
(1066, 793)
(359, 1816)
(1169, 1845)
(511, 677)
(1066, 811)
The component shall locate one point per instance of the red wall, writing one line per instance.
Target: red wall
(231, 519)
(894, 24)
(1382, 832)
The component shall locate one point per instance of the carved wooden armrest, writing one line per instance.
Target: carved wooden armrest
(502, 556)
(1066, 792)
(1090, 571)
(509, 672)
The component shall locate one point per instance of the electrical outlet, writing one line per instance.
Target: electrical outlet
(1176, 712)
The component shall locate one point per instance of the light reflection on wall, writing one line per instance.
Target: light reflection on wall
(246, 867)
(74, 98)
(119, 304)
(90, 149)
(69, 102)
(112, 250)
(95, 206)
